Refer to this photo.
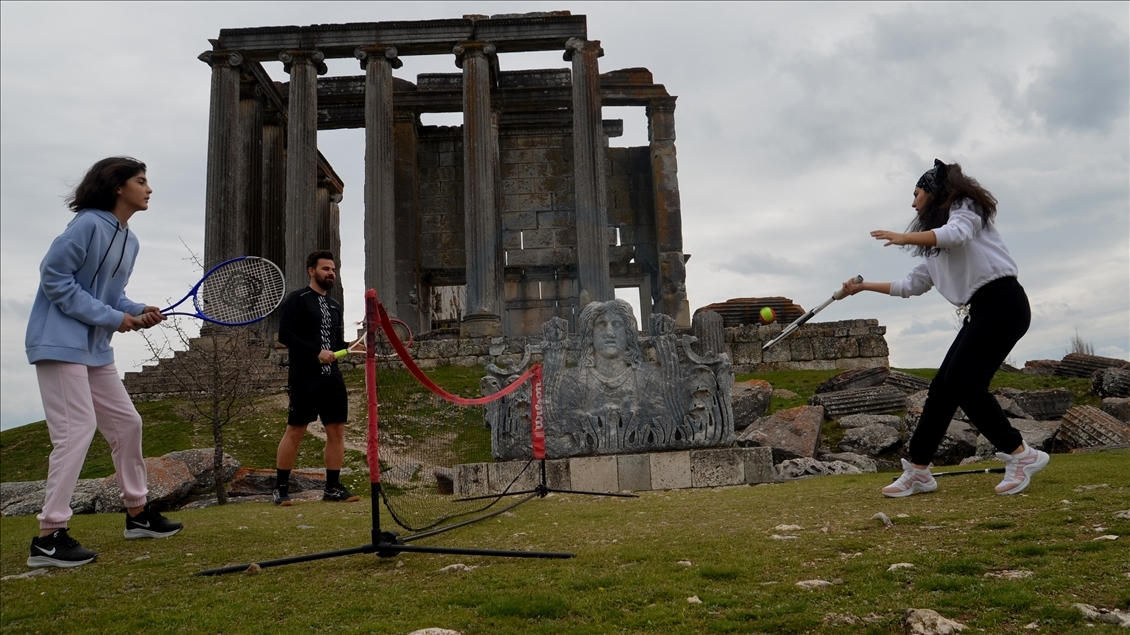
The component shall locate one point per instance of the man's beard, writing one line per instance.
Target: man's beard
(326, 283)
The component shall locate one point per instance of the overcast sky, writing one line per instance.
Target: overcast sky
(801, 127)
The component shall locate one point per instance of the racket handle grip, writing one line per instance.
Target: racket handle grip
(342, 353)
(839, 295)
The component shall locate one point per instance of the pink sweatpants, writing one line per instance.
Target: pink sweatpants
(77, 399)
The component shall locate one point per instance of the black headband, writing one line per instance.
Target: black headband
(932, 178)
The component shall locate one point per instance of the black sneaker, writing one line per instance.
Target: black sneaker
(281, 499)
(339, 494)
(58, 550)
(150, 524)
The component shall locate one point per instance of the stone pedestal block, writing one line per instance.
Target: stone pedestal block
(670, 470)
(633, 472)
(594, 474)
(714, 468)
(758, 463)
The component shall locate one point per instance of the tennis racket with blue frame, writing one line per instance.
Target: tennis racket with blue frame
(235, 292)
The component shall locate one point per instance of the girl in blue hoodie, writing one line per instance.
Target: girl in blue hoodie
(80, 303)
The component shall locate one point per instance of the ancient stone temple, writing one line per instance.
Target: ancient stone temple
(524, 208)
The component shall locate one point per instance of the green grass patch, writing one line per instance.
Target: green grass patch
(626, 577)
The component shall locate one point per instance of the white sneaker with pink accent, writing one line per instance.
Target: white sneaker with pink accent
(1019, 468)
(912, 481)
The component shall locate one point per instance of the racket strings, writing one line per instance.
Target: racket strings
(241, 291)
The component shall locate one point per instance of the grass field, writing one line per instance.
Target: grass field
(638, 560)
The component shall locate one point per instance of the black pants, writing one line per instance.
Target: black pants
(999, 316)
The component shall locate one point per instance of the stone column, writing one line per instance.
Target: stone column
(672, 300)
(301, 162)
(588, 172)
(483, 316)
(273, 196)
(411, 296)
(222, 194)
(272, 217)
(250, 169)
(380, 198)
(329, 231)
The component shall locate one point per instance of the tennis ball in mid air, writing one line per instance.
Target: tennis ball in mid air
(768, 316)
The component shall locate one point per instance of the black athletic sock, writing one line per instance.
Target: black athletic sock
(282, 481)
(333, 478)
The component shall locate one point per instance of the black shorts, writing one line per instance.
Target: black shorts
(318, 396)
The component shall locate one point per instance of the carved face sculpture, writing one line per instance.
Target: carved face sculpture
(608, 330)
(609, 339)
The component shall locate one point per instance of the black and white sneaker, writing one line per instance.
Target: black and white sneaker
(150, 524)
(282, 499)
(58, 550)
(339, 494)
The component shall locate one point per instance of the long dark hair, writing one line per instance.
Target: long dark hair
(952, 186)
(99, 188)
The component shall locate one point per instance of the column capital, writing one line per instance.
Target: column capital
(472, 49)
(313, 58)
(373, 52)
(221, 58)
(661, 104)
(577, 45)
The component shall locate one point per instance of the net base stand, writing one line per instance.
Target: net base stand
(542, 489)
(387, 544)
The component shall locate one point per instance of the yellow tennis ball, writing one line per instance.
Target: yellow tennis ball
(768, 316)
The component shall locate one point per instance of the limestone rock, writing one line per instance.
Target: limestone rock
(870, 440)
(918, 400)
(1040, 367)
(959, 442)
(1103, 615)
(1082, 365)
(795, 431)
(927, 622)
(169, 480)
(863, 420)
(796, 468)
(750, 401)
(1085, 426)
(1041, 405)
(865, 464)
(854, 379)
(200, 464)
(906, 382)
(1038, 434)
(251, 482)
(1117, 407)
(877, 399)
(1111, 382)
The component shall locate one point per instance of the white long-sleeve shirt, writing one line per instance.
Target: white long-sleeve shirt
(970, 255)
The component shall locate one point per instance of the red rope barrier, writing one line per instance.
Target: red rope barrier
(386, 324)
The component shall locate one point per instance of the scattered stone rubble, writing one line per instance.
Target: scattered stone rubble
(173, 479)
(1086, 426)
(1111, 382)
(928, 622)
(1082, 365)
(878, 416)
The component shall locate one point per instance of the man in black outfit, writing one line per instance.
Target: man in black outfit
(311, 327)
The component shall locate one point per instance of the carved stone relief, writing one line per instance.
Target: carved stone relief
(627, 394)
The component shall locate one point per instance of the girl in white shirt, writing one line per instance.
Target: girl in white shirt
(966, 259)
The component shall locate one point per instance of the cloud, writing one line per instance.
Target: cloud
(939, 325)
(1087, 86)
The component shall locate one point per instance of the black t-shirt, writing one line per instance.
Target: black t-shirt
(309, 323)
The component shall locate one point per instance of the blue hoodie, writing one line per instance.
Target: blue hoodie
(81, 300)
